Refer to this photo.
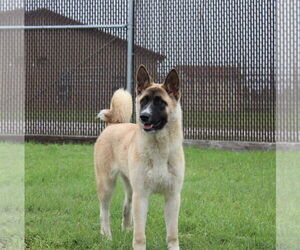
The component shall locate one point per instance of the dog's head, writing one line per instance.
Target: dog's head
(155, 102)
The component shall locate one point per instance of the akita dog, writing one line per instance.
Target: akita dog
(148, 155)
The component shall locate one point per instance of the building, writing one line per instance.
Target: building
(216, 88)
(71, 69)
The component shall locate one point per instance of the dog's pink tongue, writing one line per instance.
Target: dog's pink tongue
(148, 126)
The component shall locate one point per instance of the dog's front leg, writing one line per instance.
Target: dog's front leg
(139, 209)
(172, 205)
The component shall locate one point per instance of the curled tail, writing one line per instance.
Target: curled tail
(120, 108)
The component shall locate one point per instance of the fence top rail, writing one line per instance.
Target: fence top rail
(84, 26)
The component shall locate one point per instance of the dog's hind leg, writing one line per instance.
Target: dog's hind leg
(105, 187)
(127, 214)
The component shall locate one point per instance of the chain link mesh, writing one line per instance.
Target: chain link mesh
(224, 51)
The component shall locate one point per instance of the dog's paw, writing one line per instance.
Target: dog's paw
(106, 234)
(173, 245)
(139, 247)
(139, 243)
(173, 248)
(127, 228)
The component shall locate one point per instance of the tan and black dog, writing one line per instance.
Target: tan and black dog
(148, 155)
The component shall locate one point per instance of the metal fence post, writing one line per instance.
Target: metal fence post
(130, 45)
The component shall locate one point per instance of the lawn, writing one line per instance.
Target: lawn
(228, 201)
(11, 196)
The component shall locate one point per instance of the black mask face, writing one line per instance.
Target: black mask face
(153, 114)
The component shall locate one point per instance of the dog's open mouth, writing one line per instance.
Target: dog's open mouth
(148, 127)
(151, 127)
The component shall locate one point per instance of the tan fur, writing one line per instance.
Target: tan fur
(120, 108)
(147, 163)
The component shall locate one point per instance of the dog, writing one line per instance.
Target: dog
(148, 155)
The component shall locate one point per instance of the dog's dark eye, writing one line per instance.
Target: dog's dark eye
(158, 101)
(144, 100)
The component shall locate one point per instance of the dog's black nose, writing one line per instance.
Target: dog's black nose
(145, 117)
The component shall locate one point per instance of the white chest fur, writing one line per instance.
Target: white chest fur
(160, 175)
(159, 178)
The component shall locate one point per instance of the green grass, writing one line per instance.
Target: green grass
(228, 201)
(11, 196)
(287, 199)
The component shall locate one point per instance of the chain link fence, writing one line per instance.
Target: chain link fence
(224, 51)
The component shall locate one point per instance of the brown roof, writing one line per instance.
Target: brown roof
(49, 17)
(214, 71)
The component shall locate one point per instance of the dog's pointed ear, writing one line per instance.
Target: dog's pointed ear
(143, 79)
(172, 84)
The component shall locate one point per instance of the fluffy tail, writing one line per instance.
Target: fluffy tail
(120, 108)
